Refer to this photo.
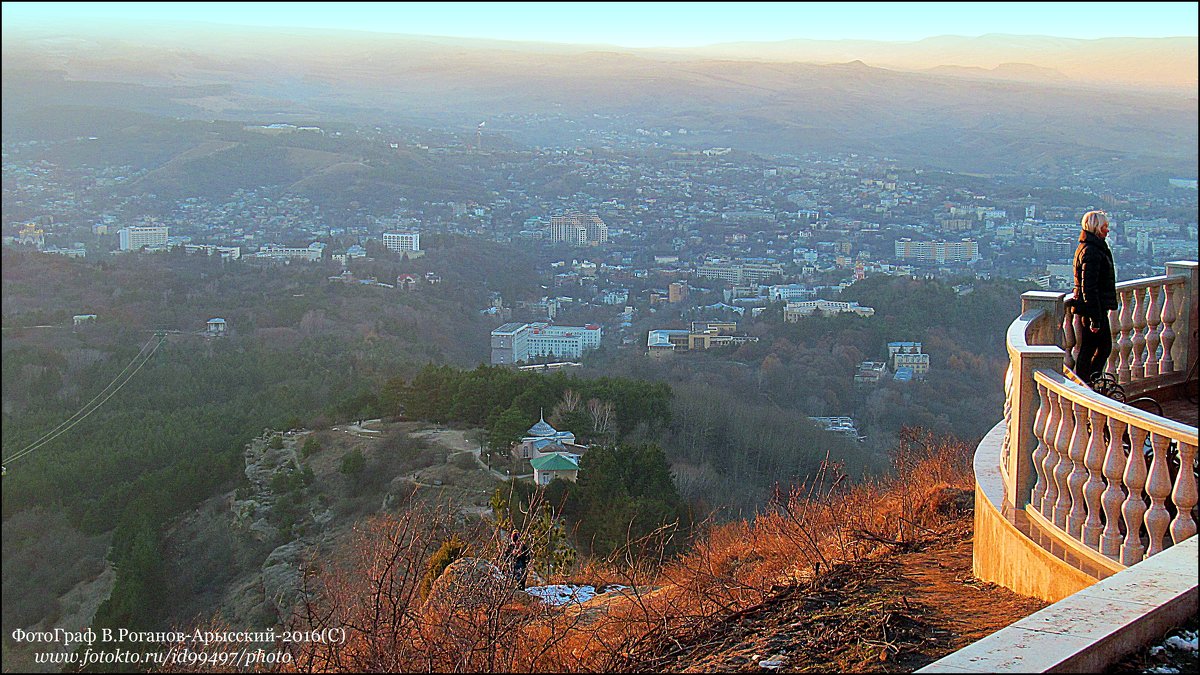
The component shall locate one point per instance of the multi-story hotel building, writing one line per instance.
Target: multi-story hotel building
(965, 251)
(510, 344)
(312, 253)
(739, 274)
(578, 229)
(517, 342)
(402, 241)
(134, 237)
(793, 311)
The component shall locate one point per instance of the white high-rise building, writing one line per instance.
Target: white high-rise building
(517, 342)
(134, 237)
(510, 344)
(965, 251)
(402, 241)
(578, 229)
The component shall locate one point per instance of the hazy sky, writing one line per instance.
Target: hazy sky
(659, 24)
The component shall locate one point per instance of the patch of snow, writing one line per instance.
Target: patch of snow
(771, 664)
(561, 594)
(1163, 669)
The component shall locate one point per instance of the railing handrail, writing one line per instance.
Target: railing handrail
(1143, 282)
(1018, 334)
(1125, 413)
(1018, 331)
(1150, 281)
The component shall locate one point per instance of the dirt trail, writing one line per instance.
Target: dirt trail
(456, 440)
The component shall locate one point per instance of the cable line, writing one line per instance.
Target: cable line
(67, 420)
(60, 429)
(55, 434)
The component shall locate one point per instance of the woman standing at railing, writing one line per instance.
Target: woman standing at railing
(1095, 294)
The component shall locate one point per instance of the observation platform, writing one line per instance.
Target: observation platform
(1077, 491)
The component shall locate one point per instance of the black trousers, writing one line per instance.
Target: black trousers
(1094, 349)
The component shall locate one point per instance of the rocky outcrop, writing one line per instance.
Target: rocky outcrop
(468, 584)
(281, 577)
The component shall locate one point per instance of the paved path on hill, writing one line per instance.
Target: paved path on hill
(359, 428)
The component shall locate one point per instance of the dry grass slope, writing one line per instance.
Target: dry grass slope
(870, 577)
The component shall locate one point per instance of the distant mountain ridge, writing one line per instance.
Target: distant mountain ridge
(1016, 114)
(1167, 63)
(1005, 71)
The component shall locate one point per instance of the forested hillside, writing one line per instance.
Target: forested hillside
(302, 352)
(730, 426)
(739, 417)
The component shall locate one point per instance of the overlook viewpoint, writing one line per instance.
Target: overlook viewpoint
(599, 337)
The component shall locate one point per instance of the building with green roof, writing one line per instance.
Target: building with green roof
(555, 465)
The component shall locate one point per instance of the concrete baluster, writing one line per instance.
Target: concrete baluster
(1167, 364)
(1070, 342)
(1114, 466)
(1158, 486)
(1078, 475)
(1114, 354)
(1184, 495)
(1039, 452)
(1187, 319)
(1153, 321)
(1062, 470)
(1050, 462)
(1133, 508)
(1093, 459)
(1125, 343)
(1043, 313)
(1137, 366)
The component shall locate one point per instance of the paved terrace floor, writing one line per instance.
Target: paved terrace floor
(1178, 402)
(1181, 410)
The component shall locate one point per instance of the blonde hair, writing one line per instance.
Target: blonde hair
(1093, 221)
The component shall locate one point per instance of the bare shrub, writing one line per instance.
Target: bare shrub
(734, 568)
(474, 620)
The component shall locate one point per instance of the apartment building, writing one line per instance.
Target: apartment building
(578, 229)
(402, 241)
(940, 252)
(517, 342)
(677, 292)
(135, 237)
(794, 311)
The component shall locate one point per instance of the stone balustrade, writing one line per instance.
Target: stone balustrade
(1107, 483)
(1073, 487)
(1153, 315)
(1100, 462)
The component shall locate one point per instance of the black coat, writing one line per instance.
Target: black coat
(1095, 279)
